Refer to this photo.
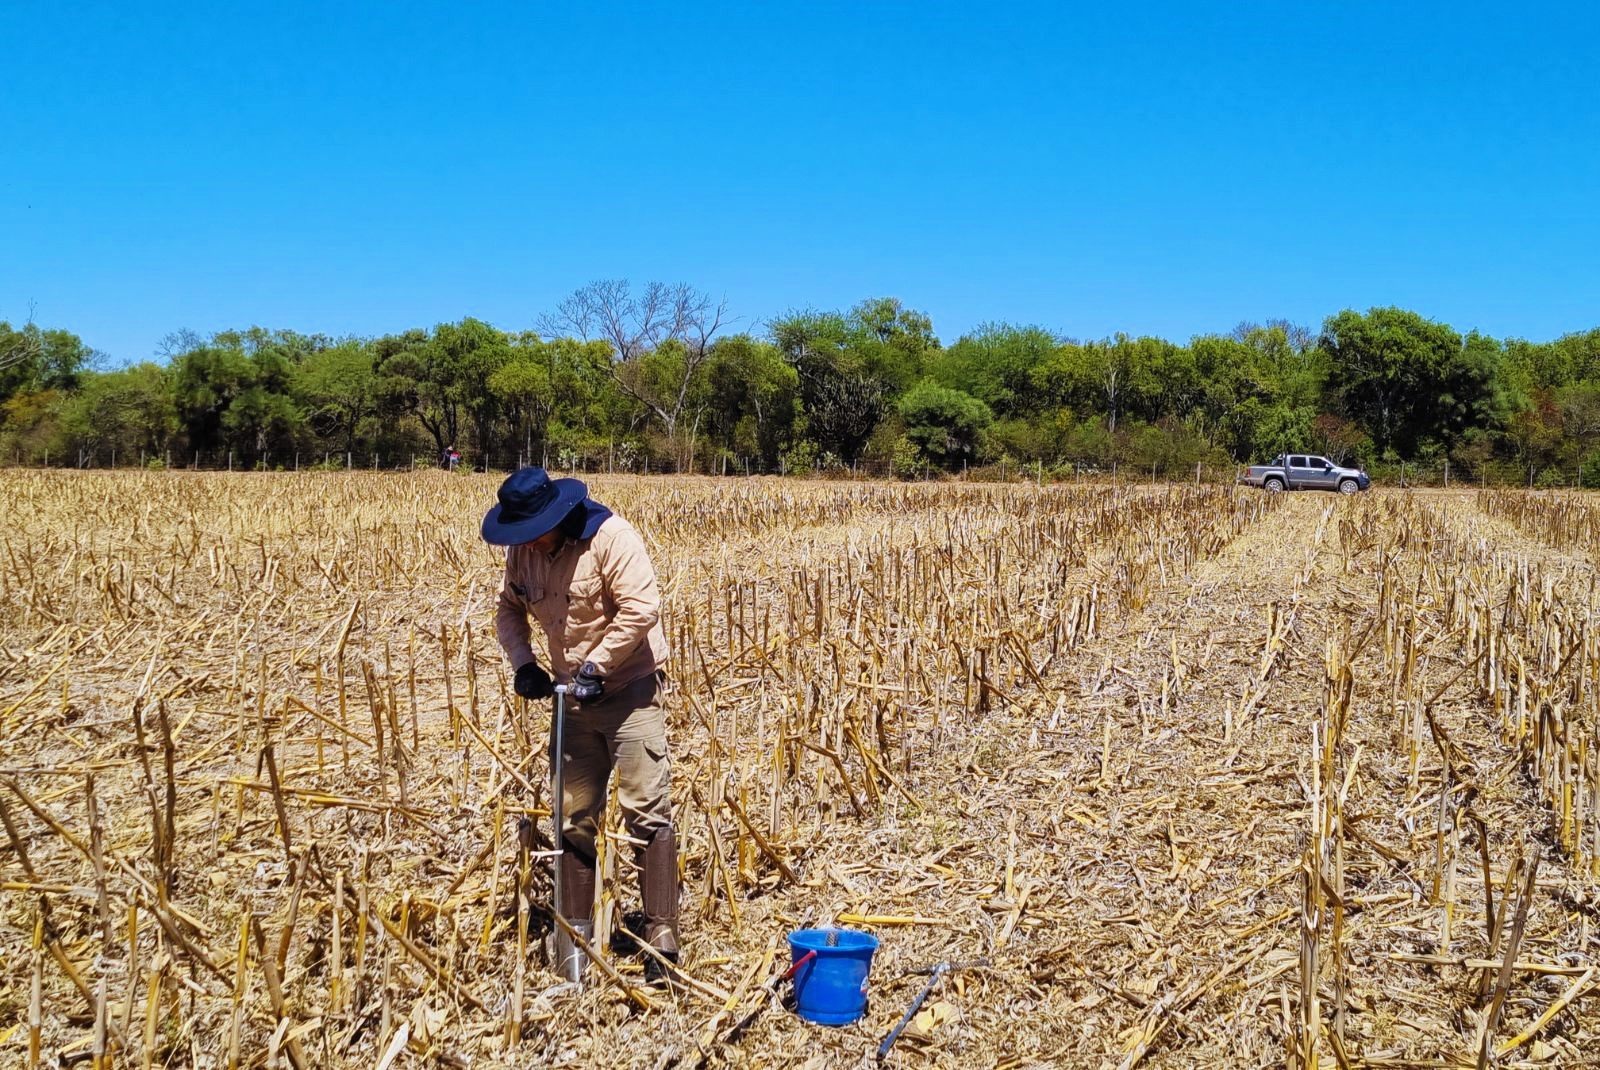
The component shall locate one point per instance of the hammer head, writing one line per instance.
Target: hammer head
(940, 968)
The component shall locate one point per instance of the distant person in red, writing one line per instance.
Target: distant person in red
(452, 459)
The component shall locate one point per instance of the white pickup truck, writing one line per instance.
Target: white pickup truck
(1305, 471)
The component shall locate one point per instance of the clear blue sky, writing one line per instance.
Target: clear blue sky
(1163, 167)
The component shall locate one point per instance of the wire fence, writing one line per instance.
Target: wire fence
(1445, 474)
(1440, 473)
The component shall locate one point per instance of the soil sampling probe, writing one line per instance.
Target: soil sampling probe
(569, 960)
(935, 973)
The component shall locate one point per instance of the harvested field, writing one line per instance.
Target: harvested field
(1209, 777)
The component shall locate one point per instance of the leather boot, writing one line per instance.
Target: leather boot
(577, 906)
(659, 886)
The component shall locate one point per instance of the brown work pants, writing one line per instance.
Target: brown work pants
(626, 731)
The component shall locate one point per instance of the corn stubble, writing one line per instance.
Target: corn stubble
(1208, 776)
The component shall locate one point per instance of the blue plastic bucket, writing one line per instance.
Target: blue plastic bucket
(831, 989)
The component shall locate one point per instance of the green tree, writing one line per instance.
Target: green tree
(262, 421)
(1405, 379)
(1569, 359)
(841, 397)
(34, 359)
(1231, 388)
(1290, 359)
(945, 425)
(1282, 428)
(470, 353)
(751, 397)
(234, 390)
(995, 364)
(417, 378)
(889, 342)
(206, 382)
(1171, 387)
(1095, 376)
(31, 425)
(337, 389)
(1580, 415)
(127, 411)
(548, 381)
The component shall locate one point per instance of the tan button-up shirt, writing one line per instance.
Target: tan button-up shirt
(596, 600)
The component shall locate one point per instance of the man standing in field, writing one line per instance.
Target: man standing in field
(584, 574)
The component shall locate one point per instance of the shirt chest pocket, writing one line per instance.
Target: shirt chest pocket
(581, 603)
(586, 599)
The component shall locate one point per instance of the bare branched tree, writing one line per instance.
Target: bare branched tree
(24, 344)
(178, 342)
(608, 309)
(637, 326)
(1300, 337)
(695, 323)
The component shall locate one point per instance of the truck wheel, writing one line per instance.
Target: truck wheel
(1273, 484)
(1348, 486)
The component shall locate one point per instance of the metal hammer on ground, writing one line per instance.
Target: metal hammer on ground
(935, 973)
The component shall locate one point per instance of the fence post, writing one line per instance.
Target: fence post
(1447, 473)
(230, 460)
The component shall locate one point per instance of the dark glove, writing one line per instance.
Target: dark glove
(587, 685)
(534, 682)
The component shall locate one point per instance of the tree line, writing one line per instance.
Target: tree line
(658, 377)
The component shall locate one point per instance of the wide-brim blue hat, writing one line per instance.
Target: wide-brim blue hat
(531, 504)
